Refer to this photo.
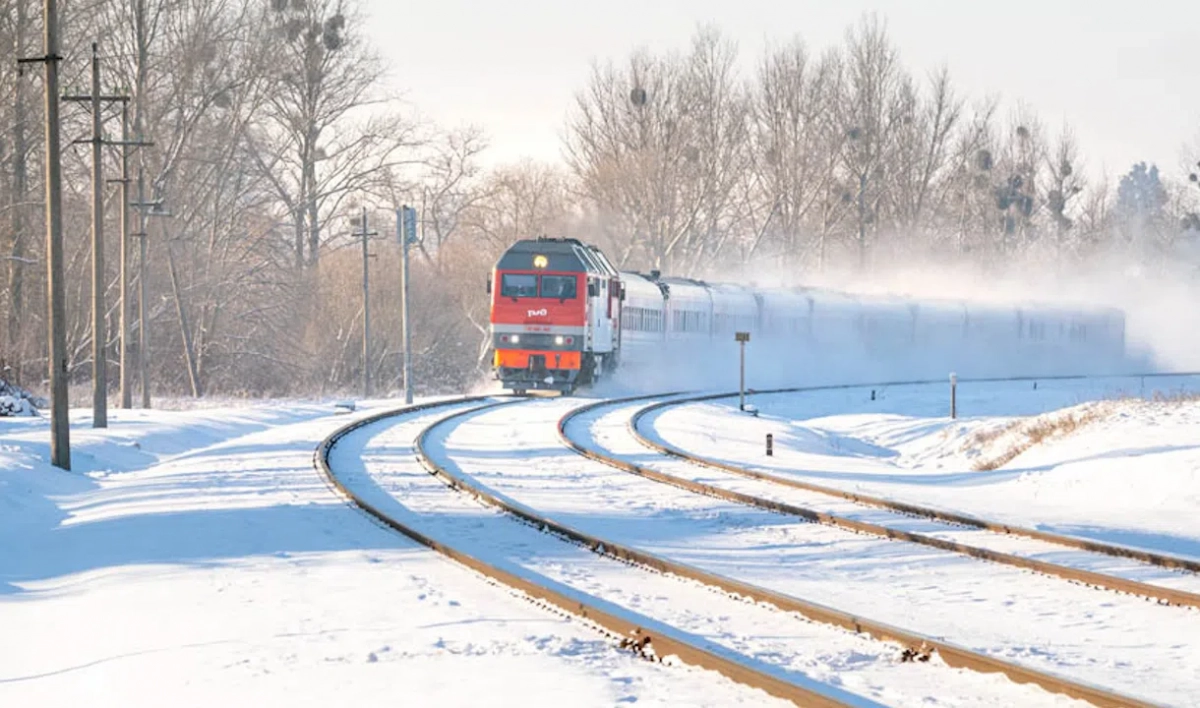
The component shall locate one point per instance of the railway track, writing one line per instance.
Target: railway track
(1158, 559)
(888, 525)
(661, 638)
(627, 629)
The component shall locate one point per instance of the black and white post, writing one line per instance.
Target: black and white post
(742, 338)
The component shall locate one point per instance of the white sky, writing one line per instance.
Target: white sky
(1123, 74)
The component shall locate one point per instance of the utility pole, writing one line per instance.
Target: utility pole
(126, 393)
(141, 237)
(366, 343)
(99, 330)
(406, 231)
(60, 432)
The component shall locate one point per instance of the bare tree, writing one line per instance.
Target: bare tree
(323, 137)
(793, 129)
(658, 148)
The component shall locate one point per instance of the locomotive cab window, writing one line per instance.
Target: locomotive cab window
(518, 285)
(561, 287)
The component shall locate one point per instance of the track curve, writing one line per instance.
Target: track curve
(1158, 559)
(1159, 593)
(629, 634)
(917, 644)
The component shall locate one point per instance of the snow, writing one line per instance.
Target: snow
(995, 609)
(383, 471)
(197, 554)
(198, 558)
(1130, 476)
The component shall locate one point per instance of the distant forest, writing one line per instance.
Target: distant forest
(272, 128)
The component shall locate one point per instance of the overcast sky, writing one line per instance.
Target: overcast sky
(1125, 75)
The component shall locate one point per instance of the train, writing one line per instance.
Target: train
(563, 318)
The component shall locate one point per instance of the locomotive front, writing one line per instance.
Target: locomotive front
(551, 326)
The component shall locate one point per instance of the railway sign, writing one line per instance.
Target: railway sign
(741, 336)
(408, 217)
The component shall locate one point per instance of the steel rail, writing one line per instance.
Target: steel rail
(916, 644)
(1159, 559)
(1087, 577)
(630, 633)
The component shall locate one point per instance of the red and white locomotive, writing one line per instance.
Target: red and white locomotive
(556, 309)
(562, 317)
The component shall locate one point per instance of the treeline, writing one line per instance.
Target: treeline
(272, 127)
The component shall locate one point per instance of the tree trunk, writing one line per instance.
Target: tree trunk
(16, 263)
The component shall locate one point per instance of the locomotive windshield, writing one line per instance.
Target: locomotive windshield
(558, 286)
(518, 285)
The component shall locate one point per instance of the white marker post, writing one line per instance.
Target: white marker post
(742, 338)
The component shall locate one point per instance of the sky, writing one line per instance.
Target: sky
(1122, 74)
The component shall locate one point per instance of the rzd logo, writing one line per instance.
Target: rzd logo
(538, 313)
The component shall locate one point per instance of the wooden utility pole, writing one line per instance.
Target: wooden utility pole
(143, 354)
(126, 393)
(366, 344)
(60, 432)
(125, 143)
(99, 330)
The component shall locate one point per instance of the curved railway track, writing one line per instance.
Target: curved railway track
(664, 642)
(621, 627)
(1158, 559)
(905, 511)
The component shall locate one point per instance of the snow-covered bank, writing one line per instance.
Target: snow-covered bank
(196, 558)
(1128, 472)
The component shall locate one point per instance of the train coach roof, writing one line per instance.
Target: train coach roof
(562, 254)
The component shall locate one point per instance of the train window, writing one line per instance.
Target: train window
(561, 287)
(518, 285)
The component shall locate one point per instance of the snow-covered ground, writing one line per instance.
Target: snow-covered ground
(197, 558)
(197, 555)
(1128, 472)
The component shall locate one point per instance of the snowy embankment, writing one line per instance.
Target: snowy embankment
(1113, 460)
(1034, 620)
(197, 558)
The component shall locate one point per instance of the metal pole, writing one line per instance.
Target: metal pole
(126, 393)
(407, 341)
(953, 396)
(366, 345)
(99, 331)
(742, 381)
(143, 353)
(60, 433)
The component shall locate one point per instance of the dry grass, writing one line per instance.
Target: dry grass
(1028, 433)
(1035, 432)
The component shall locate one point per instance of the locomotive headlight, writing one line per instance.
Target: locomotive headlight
(515, 338)
(559, 340)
